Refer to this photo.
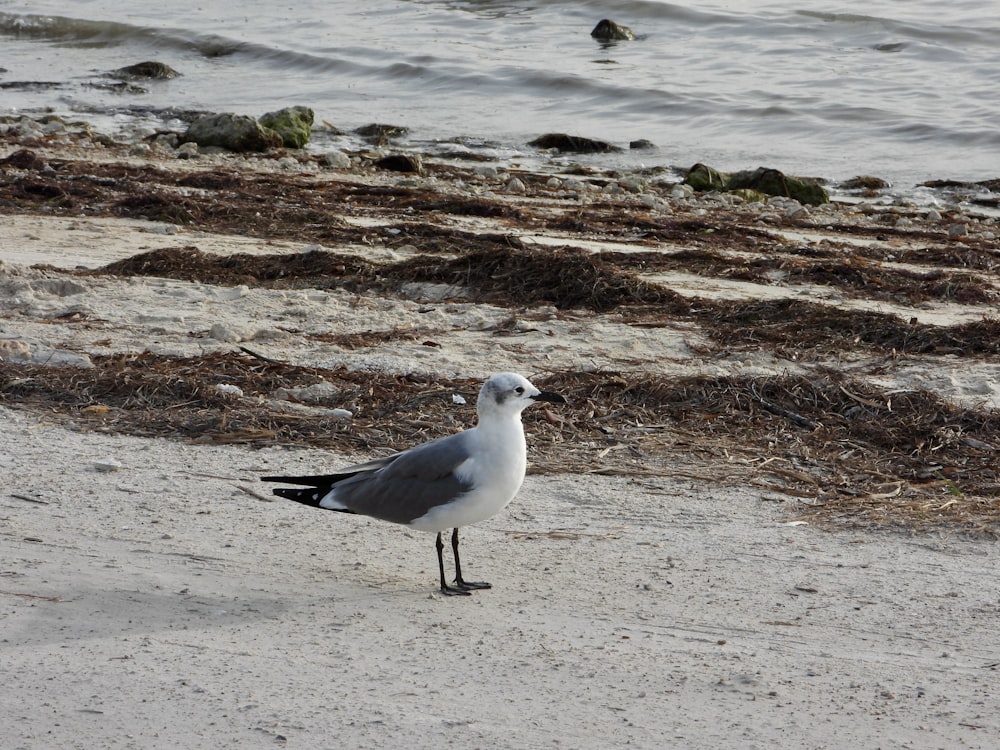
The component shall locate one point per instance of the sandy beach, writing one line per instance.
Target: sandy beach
(717, 543)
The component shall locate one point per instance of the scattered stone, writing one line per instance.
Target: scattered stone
(641, 145)
(682, 191)
(401, 163)
(958, 230)
(572, 143)
(609, 31)
(229, 390)
(933, 215)
(293, 124)
(145, 71)
(33, 352)
(188, 150)
(168, 141)
(222, 333)
(865, 183)
(336, 160)
(797, 211)
(25, 159)
(108, 464)
(633, 183)
(322, 393)
(515, 186)
(379, 134)
(240, 133)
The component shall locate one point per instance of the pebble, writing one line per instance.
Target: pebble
(229, 390)
(188, 150)
(108, 464)
(336, 160)
(958, 230)
(516, 186)
(633, 184)
(219, 332)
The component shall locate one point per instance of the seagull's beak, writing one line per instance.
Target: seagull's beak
(554, 398)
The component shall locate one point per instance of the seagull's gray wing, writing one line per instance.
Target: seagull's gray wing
(405, 486)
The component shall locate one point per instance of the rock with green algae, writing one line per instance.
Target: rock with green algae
(702, 177)
(774, 182)
(293, 124)
(756, 181)
(233, 132)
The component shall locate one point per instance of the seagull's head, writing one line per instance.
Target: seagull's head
(510, 393)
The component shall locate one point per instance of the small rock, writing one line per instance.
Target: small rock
(933, 215)
(609, 31)
(572, 143)
(108, 464)
(229, 390)
(633, 184)
(145, 71)
(293, 124)
(336, 160)
(25, 159)
(188, 150)
(380, 134)
(318, 393)
(515, 186)
(641, 145)
(958, 230)
(220, 332)
(401, 163)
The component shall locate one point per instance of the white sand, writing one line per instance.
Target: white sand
(162, 606)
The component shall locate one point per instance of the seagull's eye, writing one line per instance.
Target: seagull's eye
(519, 390)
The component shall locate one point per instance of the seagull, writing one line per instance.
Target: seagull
(446, 483)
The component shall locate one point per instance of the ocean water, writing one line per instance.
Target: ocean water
(908, 91)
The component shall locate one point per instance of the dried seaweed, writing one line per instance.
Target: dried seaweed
(858, 454)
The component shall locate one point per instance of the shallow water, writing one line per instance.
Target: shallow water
(906, 91)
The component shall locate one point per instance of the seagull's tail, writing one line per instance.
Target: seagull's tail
(315, 488)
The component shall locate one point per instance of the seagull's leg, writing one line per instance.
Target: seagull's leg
(462, 584)
(445, 588)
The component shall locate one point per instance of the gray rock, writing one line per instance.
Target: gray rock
(336, 160)
(188, 150)
(145, 71)
(239, 133)
(609, 31)
(33, 352)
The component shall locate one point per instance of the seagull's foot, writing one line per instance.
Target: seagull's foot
(452, 591)
(472, 585)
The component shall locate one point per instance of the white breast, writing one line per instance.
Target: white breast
(495, 470)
